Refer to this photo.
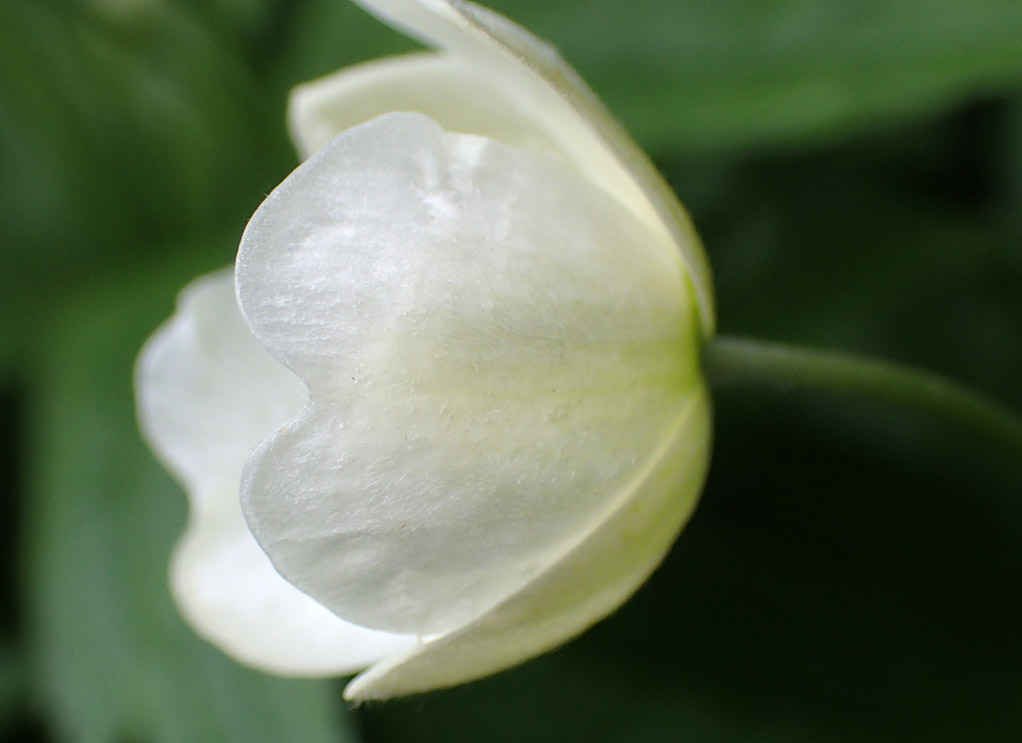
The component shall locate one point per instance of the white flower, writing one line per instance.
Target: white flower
(495, 306)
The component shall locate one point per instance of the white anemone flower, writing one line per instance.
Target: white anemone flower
(454, 377)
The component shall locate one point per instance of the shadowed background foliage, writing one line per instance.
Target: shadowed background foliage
(855, 167)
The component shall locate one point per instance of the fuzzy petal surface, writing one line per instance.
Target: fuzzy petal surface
(208, 393)
(494, 347)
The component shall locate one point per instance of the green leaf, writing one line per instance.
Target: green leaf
(1010, 166)
(112, 658)
(323, 36)
(120, 130)
(695, 75)
(12, 683)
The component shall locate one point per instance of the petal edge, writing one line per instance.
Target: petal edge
(595, 577)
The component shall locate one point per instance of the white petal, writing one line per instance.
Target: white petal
(494, 348)
(228, 590)
(585, 585)
(458, 96)
(207, 394)
(606, 153)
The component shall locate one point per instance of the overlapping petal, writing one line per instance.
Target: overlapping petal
(208, 393)
(459, 97)
(538, 84)
(494, 348)
(592, 578)
(495, 304)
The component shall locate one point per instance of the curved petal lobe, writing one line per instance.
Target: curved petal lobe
(207, 394)
(493, 348)
(592, 579)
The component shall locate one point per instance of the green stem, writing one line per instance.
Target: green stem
(738, 361)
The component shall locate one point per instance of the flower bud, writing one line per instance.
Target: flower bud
(461, 401)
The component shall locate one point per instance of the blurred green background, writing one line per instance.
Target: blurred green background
(855, 167)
